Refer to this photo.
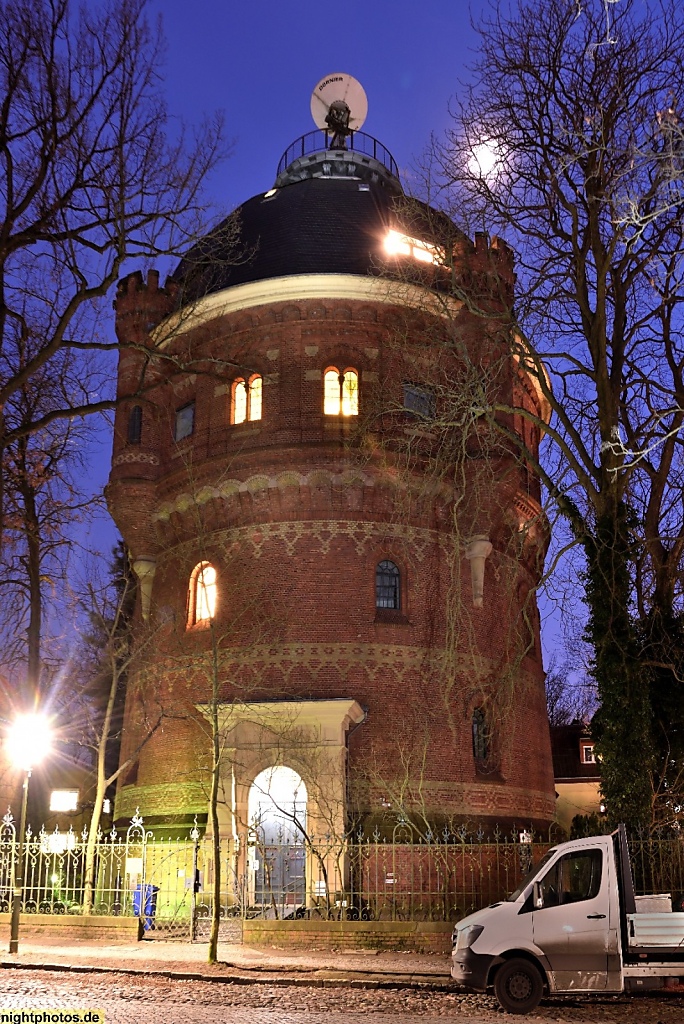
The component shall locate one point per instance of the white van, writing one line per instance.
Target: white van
(574, 925)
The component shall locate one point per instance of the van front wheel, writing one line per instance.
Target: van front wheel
(518, 986)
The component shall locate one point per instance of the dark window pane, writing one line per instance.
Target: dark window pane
(573, 879)
(387, 585)
(135, 425)
(480, 735)
(420, 401)
(185, 422)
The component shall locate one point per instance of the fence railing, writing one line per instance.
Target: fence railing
(168, 882)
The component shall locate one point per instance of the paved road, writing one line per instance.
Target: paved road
(128, 999)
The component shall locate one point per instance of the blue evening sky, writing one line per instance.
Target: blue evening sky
(259, 62)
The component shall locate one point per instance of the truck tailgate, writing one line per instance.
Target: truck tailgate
(655, 929)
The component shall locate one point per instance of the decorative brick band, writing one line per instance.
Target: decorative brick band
(135, 456)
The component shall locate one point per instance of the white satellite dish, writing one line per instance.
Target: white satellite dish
(339, 105)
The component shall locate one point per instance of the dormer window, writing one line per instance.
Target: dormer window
(340, 392)
(246, 399)
(398, 244)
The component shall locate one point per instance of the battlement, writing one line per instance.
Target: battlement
(142, 305)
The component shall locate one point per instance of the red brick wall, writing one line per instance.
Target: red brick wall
(295, 511)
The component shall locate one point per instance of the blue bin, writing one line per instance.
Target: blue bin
(145, 903)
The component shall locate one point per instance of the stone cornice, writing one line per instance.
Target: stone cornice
(302, 287)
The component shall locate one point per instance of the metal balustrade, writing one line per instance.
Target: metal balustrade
(319, 141)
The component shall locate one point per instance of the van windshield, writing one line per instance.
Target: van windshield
(532, 873)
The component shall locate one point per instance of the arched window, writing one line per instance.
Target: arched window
(135, 425)
(254, 396)
(340, 392)
(202, 596)
(246, 399)
(387, 585)
(481, 738)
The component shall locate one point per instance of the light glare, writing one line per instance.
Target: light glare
(28, 741)
(484, 158)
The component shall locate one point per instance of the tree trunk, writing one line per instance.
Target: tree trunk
(212, 955)
(622, 725)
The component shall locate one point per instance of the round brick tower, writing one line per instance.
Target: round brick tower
(329, 540)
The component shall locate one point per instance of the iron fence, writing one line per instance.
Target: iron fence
(168, 883)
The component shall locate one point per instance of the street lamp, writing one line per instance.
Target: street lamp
(27, 743)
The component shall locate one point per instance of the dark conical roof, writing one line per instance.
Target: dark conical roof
(327, 224)
(314, 226)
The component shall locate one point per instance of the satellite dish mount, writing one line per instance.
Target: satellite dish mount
(339, 106)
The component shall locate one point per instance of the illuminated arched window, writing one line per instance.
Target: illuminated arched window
(387, 585)
(254, 397)
(202, 598)
(246, 399)
(340, 392)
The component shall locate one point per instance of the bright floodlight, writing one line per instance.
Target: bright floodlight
(29, 739)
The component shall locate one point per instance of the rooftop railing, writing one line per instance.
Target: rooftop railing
(357, 142)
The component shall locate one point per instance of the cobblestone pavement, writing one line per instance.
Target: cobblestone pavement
(152, 955)
(127, 998)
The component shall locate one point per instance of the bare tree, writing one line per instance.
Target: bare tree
(44, 500)
(91, 176)
(568, 698)
(570, 143)
(97, 690)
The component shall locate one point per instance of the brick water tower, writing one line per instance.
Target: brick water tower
(329, 538)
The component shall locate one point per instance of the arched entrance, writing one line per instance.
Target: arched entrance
(277, 827)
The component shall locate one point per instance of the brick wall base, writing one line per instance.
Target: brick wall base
(417, 936)
(89, 927)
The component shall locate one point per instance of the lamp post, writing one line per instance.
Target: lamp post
(27, 743)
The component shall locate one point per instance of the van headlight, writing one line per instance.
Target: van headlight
(466, 936)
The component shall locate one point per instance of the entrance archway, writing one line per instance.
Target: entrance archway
(277, 824)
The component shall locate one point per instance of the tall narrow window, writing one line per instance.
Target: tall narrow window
(239, 402)
(202, 596)
(185, 422)
(387, 585)
(246, 399)
(480, 736)
(254, 397)
(135, 425)
(340, 392)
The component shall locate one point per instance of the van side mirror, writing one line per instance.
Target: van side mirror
(538, 896)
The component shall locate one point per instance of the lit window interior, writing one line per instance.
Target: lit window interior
(397, 244)
(247, 398)
(255, 391)
(239, 401)
(203, 584)
(64, 800)
(341, 393)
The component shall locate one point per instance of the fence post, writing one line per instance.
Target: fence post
(194, 835)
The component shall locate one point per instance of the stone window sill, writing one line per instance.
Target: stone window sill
(391, 616)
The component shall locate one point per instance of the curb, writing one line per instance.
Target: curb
(333, 978)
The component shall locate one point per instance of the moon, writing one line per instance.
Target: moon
(484, 158)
